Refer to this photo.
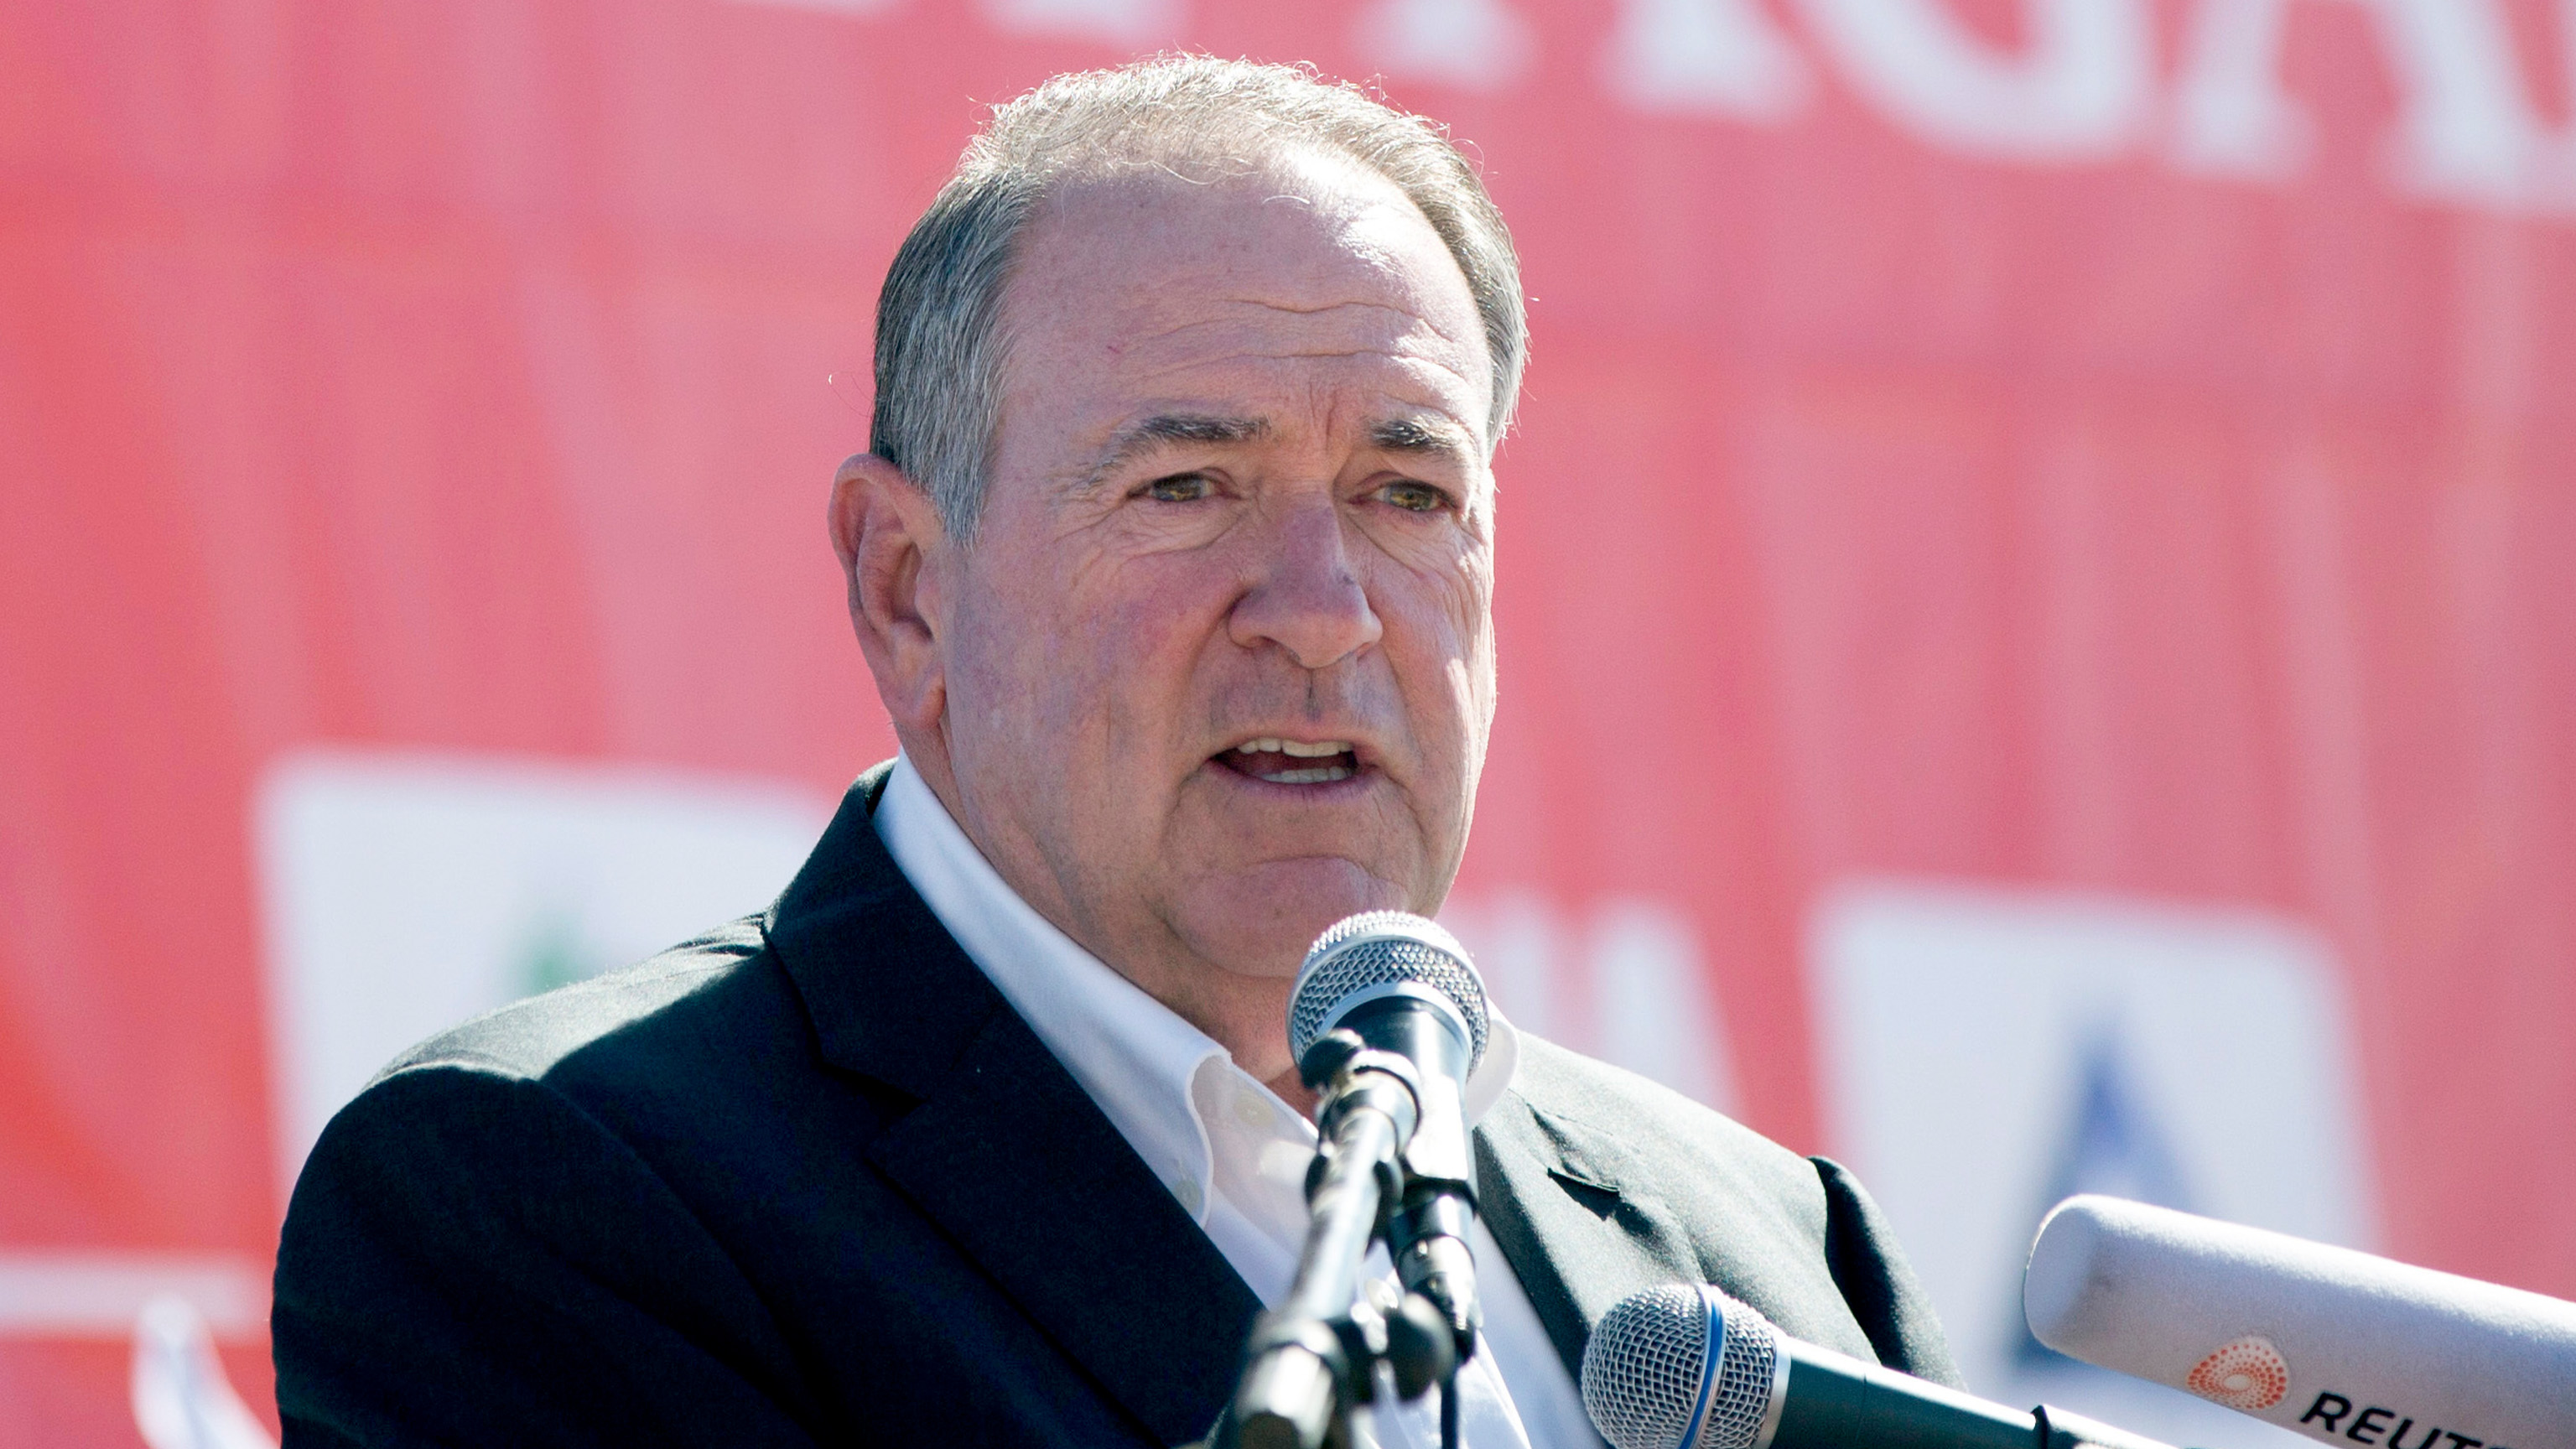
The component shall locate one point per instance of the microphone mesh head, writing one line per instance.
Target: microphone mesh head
(1646, 1373)
(1384, 948)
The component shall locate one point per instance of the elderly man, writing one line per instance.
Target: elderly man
(1173, 561)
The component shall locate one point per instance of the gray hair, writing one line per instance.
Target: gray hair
(940, 348)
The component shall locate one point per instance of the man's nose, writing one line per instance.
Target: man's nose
(1306, 597)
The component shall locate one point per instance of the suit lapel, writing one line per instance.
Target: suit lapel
(1579, 1238)
(1015, 1162)
(1005, 1151)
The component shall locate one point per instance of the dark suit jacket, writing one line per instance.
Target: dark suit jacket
(809, 1178)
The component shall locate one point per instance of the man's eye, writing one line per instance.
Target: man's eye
(1179, 488)
(1416, 497)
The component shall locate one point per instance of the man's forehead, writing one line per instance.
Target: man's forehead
(1153, 271)
(1150, 199)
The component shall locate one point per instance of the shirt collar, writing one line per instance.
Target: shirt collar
(1133, 1055)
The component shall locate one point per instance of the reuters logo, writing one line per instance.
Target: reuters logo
(2247, 1374)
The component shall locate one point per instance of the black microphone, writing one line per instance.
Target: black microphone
(1402, 985)
(1684, 1366)
(1387, 1020)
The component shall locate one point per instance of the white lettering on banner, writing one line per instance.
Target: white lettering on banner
(2083, 87)
(2230, 118)
(1121, 22)
(1472, 44)
(1629, 985)
(2082, 90)
(2467, 129)
(1710, 57)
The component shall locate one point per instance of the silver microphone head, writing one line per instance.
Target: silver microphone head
(1682, 1366)
(1380, 954)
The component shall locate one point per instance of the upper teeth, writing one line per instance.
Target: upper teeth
(1303, 751)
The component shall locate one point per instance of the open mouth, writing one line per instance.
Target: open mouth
(1293, 762)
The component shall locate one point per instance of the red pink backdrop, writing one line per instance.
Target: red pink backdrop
(2110, 446)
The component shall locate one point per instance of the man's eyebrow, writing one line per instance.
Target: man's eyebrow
(1164, 429)
(1420, 435)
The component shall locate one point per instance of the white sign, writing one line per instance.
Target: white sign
(404, 893)
(1988, 1052)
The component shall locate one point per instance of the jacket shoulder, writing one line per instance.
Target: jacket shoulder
(533, 1037)
(1667, 1137)
(498, 1205)
(702, 1062)
(1795, 1237)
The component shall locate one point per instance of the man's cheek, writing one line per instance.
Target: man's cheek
(1143, 642)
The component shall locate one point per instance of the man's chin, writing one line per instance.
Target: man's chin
(1260, 920)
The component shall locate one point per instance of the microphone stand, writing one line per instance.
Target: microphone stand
(1318, 1353)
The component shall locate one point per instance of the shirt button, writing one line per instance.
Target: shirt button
(1250, 1110)
(1187, 1190)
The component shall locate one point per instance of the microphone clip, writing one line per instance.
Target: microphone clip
(1421, 1336)
(1428, 1200)
(1319, 1353)
(1348, 1077)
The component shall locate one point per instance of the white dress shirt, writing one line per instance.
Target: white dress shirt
(1233, 1154)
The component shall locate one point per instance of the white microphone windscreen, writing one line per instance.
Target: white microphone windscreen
(2337, 1344)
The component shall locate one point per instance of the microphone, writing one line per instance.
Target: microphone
(1403, 986)
(2337, 1344)
(1684, 1366)
(1387, 1020)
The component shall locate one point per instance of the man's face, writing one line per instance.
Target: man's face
(1219, 663)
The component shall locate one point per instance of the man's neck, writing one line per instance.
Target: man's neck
(1247, 1015)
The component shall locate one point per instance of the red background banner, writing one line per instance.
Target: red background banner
(1906, 486)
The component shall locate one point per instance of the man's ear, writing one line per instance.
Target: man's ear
(888, 534)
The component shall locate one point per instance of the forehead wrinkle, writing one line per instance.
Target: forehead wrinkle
(1416, 390)
(1319, 308)
(1404, 354)
(1261, 359)
(1368, 225)
(1421, 382)
(1409, 331)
